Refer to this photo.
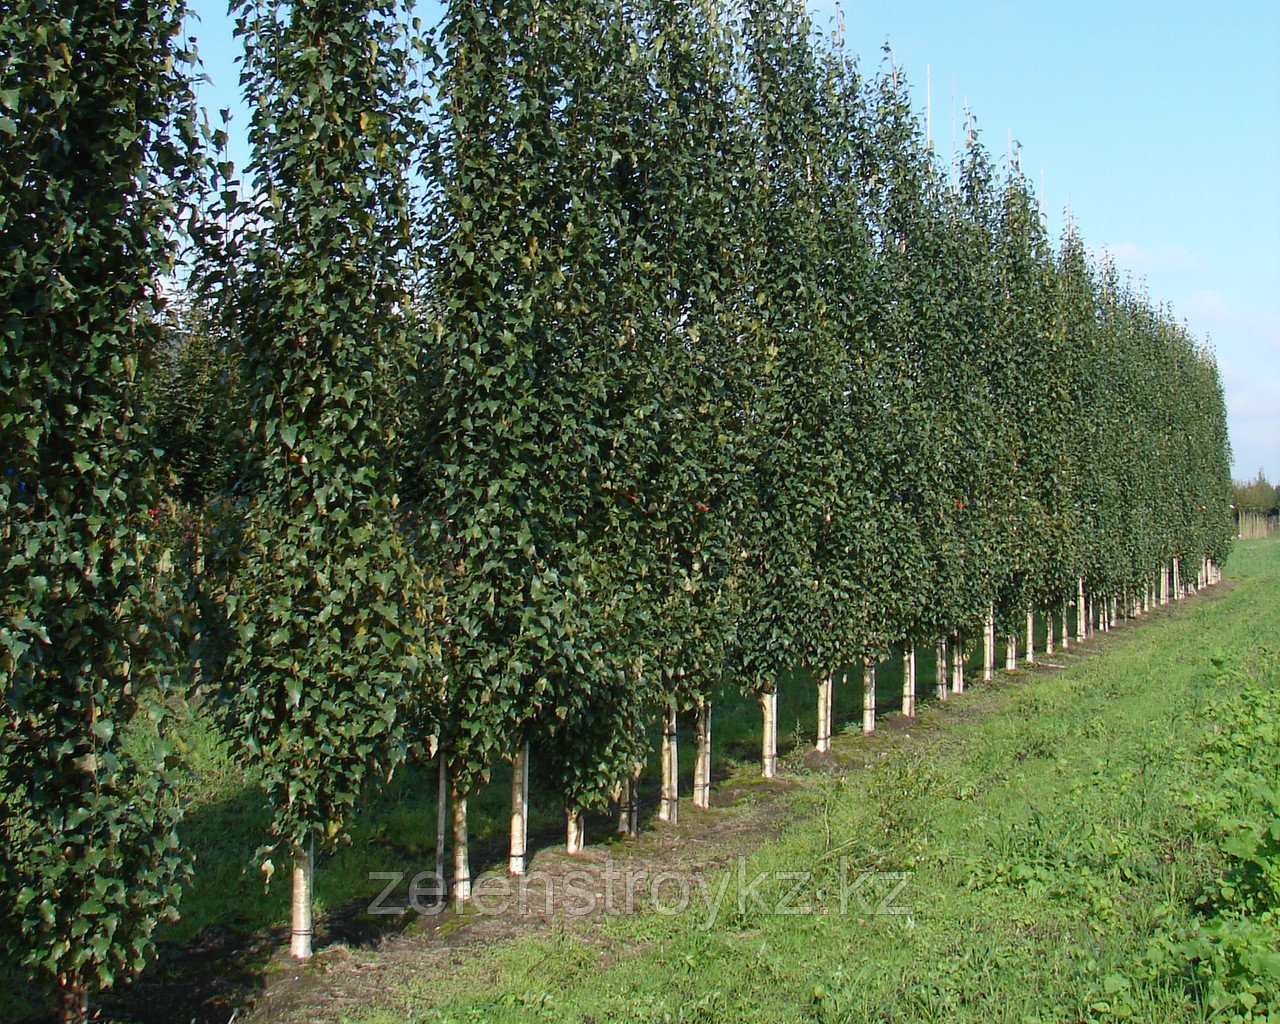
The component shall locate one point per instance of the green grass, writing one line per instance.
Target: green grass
(1031, 820)
(1044, 827)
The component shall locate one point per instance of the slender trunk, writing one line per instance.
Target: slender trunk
(629, 806)
(1066, 624)
(957, 664)
(826, 686)
(1031, 636)
(519, 809)
(989, 645)
(869, 696)
(442, 823)
(909, 682)
(769, 742)
(1177, 579)
(940, 672)
(1164, 584)
(702, 758)
(575, 833)
(1049, 638)
(670, 802)
(1011, 653)
(304, 864)
(461, 858)
(1082, 620)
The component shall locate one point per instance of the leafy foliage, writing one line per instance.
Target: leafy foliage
(99, 157)
(327, 611)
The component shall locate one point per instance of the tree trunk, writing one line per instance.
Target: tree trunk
(1177, 579)
(1049, 638)
(957, 664)
(826, 686)
(1164, 584)
(669, 805)
(1031, 637)
(769, 740)
(575, 833)
(461, 858)
(1011, 653)
(519, 810)
(909, 682)
(1066, 624)
(629, 806)
(702, 757)
(869, 696)
(989, 645)
(1082, 618)
(301, 931)
(940, 671)
(442, 822)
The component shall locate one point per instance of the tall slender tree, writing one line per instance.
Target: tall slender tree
(99, 159)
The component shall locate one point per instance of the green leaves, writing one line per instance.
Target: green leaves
(332, 664)
(99, 171)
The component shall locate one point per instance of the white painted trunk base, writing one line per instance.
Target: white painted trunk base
(1030, 657)
(989, 645)
(869, 697)
(575, 833)
(519, 811)
(940, 673)
(702, 757)
(669, 804)
(769, 744)
(909, 682)
(301, 929)
(461, 857)
(957, 664)
(826, 696)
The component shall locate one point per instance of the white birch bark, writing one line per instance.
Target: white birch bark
(301, 929)
(909, 682)
(769, 743)
(1082, 618)
(1031, 637)
(519, 810)
(957, 664)
(702, 757)
(869, 697)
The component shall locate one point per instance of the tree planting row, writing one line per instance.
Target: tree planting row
(561, 366)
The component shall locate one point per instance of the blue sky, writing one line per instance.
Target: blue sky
(1156, 123)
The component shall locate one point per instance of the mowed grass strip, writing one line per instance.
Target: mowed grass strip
(1013, 860)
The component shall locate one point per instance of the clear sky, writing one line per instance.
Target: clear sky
(1156, 123)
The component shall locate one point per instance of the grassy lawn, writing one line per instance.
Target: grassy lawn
(1016, 854)
(1040, 833)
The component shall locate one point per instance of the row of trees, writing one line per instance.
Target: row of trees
(660, 350)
